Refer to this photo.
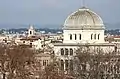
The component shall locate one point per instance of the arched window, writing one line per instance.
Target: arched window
(62, 51)
(71, 51)
(71, 65)
(91, 36)
(30, 32)
(66, 51)
(75, 37)
(47, 62)
(23, 41)
(98, 50)
(115, 48)
(98, 36)
(95, 36)
(66, 64)
(62, 65)
(30, 45)
(43, 63)
(70, 36)
(80, 36)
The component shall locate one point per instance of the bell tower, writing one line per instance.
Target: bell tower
(31, 31)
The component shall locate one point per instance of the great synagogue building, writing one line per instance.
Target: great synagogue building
(81, 28)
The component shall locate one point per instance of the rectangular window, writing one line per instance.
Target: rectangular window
(91, 36)
(98, 36)
(70, 36)
(43, 63)
(80, 36)
(75, 37)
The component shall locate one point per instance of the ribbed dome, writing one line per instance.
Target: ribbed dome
(84, 18)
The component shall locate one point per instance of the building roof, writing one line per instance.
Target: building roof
(31, 38)
(43, 55)
(116, 36)
(84, 44)
(83, 18)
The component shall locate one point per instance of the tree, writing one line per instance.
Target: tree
(52, 71)
(3, 61)
(16, 61)
(96, 65)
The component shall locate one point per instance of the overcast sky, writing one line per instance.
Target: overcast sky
(44, 12)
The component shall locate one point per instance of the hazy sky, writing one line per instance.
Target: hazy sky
(45, 12)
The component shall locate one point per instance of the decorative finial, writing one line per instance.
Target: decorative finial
(31, 27)
(83, 3)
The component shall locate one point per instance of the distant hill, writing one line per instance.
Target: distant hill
(112, 26)
(10, 26)
(51, 26)
(17, 26)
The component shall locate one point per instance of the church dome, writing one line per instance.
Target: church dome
(83, 18)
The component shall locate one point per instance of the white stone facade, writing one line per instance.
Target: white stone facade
(84, 36)
(37, 44)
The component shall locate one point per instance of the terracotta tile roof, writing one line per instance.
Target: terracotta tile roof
(116, 36)
(31, 38)
(43, 55)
